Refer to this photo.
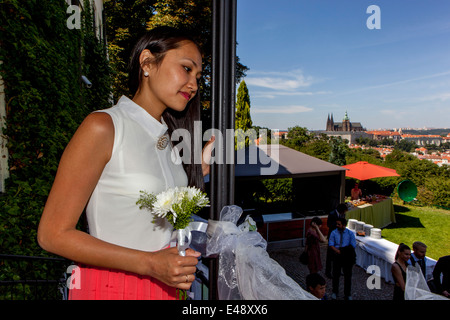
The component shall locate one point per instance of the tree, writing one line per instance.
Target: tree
(263, 134)
(338, 151)
(125, 23)
(318, 148)
(297, 137)
(405, 145)
(195, 17)
(243, 121)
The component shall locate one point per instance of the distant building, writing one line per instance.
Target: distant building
(345, 125)
(346, 129)
(421, 150)
(385, 134)
(422, 139)
(446, 139)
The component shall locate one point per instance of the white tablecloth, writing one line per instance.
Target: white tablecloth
(381, 252)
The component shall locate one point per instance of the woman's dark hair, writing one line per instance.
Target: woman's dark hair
(317, 221)
(401, 247)
(160, 40)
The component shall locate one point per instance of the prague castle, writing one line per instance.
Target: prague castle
(346, 129)
(345, 125)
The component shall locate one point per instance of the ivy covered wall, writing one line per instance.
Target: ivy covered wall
(43, 61)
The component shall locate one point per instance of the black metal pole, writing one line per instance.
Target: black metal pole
(223, 100)
(222, 110)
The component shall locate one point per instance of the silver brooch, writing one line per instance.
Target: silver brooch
(163, 141)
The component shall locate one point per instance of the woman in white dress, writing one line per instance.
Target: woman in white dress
(115, 154)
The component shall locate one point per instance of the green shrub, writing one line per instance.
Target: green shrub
(42, 65)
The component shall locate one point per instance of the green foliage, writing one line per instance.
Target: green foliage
(146, 201)
(297, 137)
(125, 23)
(263, 134)
(369, 155)
(331, 149)
(319, 148)
(405, 145)
(243, 120)
(184, 211)
(435, 192)
(428, 225)
(195, 17)
(278, 189)
(432, 181)
(45, 104)
(176, 205)
(338, 151)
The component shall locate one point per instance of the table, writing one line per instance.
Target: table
(379, 214)
(381, 252)
(288, 229)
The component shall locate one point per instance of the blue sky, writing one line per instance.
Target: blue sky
(311, 58)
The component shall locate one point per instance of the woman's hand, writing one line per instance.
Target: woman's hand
(174, 270)
(206, 156)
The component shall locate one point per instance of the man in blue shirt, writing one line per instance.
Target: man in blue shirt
(342, 242)
(339, 212)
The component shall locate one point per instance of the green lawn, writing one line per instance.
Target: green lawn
(429, 225)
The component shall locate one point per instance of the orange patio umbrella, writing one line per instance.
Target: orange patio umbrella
(363, 170)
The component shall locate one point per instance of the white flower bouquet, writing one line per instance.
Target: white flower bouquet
(177, 205)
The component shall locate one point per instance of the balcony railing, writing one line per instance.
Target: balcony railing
(43, 278)
(32, 278)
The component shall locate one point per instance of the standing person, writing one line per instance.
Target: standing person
(115, 154)
(398, 270)
(418, 257)
(442, 267)
(356, 192)
(343, 243)
(339, 212)
(313, 239)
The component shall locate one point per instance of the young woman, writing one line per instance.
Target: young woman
(398, 270)
(313, 239)
(115, 154)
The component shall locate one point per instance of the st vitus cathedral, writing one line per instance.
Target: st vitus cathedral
(345, 125)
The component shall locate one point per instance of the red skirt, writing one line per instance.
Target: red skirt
(92, 283)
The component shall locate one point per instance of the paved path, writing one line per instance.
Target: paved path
(288, 259)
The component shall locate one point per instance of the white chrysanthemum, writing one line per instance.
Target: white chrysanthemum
(191, 192)
(202, 201)
(164, 202)
(185, 200)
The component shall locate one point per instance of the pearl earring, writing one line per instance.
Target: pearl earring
(146, 74)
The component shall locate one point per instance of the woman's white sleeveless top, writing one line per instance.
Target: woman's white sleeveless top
(136, 164)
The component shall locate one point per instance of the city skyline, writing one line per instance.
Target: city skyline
(308, 59)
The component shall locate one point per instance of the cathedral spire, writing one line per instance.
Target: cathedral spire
(346, 116)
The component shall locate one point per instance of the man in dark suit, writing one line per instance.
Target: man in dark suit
(442, 267)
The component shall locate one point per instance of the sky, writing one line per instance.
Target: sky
(388, 68)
